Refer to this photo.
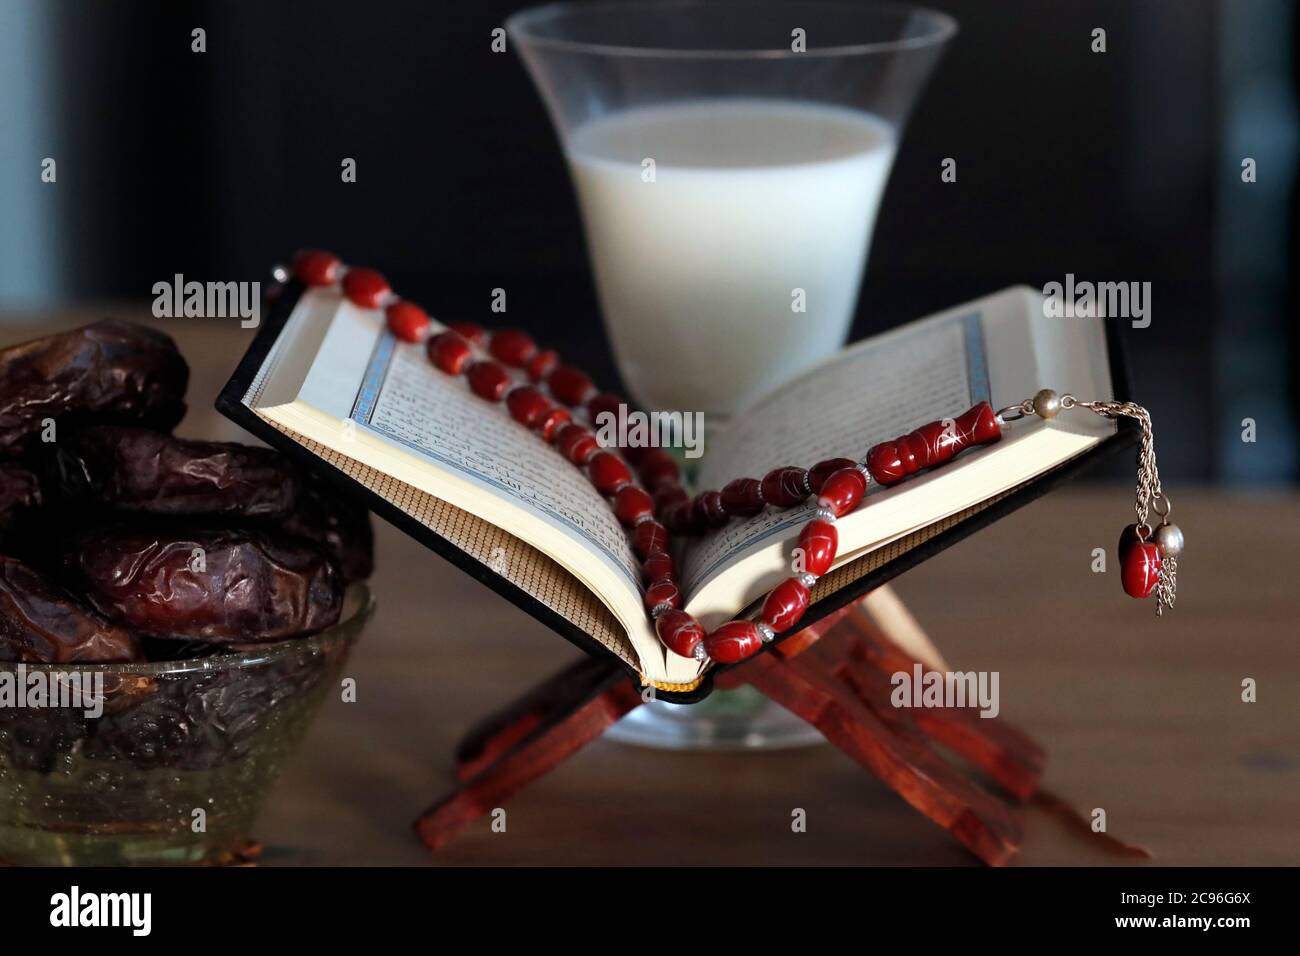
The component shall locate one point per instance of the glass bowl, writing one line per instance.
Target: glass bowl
(176, 763)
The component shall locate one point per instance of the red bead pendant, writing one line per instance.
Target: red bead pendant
(488, 380)
(1141, 570)
(527, 405)
(1139, 561)
(818, 542)
(632, 504)
(663, 591)
(1131, 535)
(570, 385)
(513, 347)
(680, 632)
(608, 472)
(576, 443)
(733, 642)
(842, 491)
(406, 320)
(470, 331)
(785, 605)
(449, 352)
(366, 288)
(785, 487)
(316, 268)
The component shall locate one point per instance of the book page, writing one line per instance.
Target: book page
(1001, 349)
(438, 417)
(871, 393)
(378, 401)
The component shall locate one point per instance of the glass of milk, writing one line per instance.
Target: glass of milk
(729, 161)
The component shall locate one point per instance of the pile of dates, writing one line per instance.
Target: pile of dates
(121, 543)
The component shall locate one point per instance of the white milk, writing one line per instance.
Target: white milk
(697, 270)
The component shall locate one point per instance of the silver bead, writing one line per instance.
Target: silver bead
(662, 608)
(1169, 539)
(824, 514)
(1047, 404)
(279, 273)
(806, 578)
(700, 654)
(765, 632)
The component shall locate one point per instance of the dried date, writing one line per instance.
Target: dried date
(216, 585)
(340, 526)
(110, 370)
(42, 622)
(135, 469)
(20, 495)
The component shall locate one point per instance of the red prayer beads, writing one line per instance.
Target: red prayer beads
(315, 268)
(488, 380)
(662, 504)
(449, 352)
(366, 288)
(932, 444)
(406, 320)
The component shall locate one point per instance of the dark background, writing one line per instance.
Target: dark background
(1123, 166)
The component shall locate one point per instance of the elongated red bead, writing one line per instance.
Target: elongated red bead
(842, 491)
(449, 352)
(932, 444)
(819, 472)
(709, 509)
(469, 331)
(608, 472)
(785, 605)
(570, 385)
(648, 538)
(679, 632)
(683, 519)
(784, 487)
(1140, 571)
(513, 347)
(657, 468)
(667, 495)
(406, 320)
(550, 423)
(488, 380)
(818, 542)
(316, 268)
(604, 403)
(576, 443)
(743, 497)
(527, 404)
(366, 288)
(632, 504)
(733, 642)
(540, 365)
(663, 591)
(659, 565)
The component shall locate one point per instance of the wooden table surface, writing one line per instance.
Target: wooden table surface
(1143, 718)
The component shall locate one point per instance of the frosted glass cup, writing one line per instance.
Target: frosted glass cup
(729, 161)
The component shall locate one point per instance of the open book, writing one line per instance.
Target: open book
(458, 471)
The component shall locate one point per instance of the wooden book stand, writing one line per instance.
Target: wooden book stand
(835, 674)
